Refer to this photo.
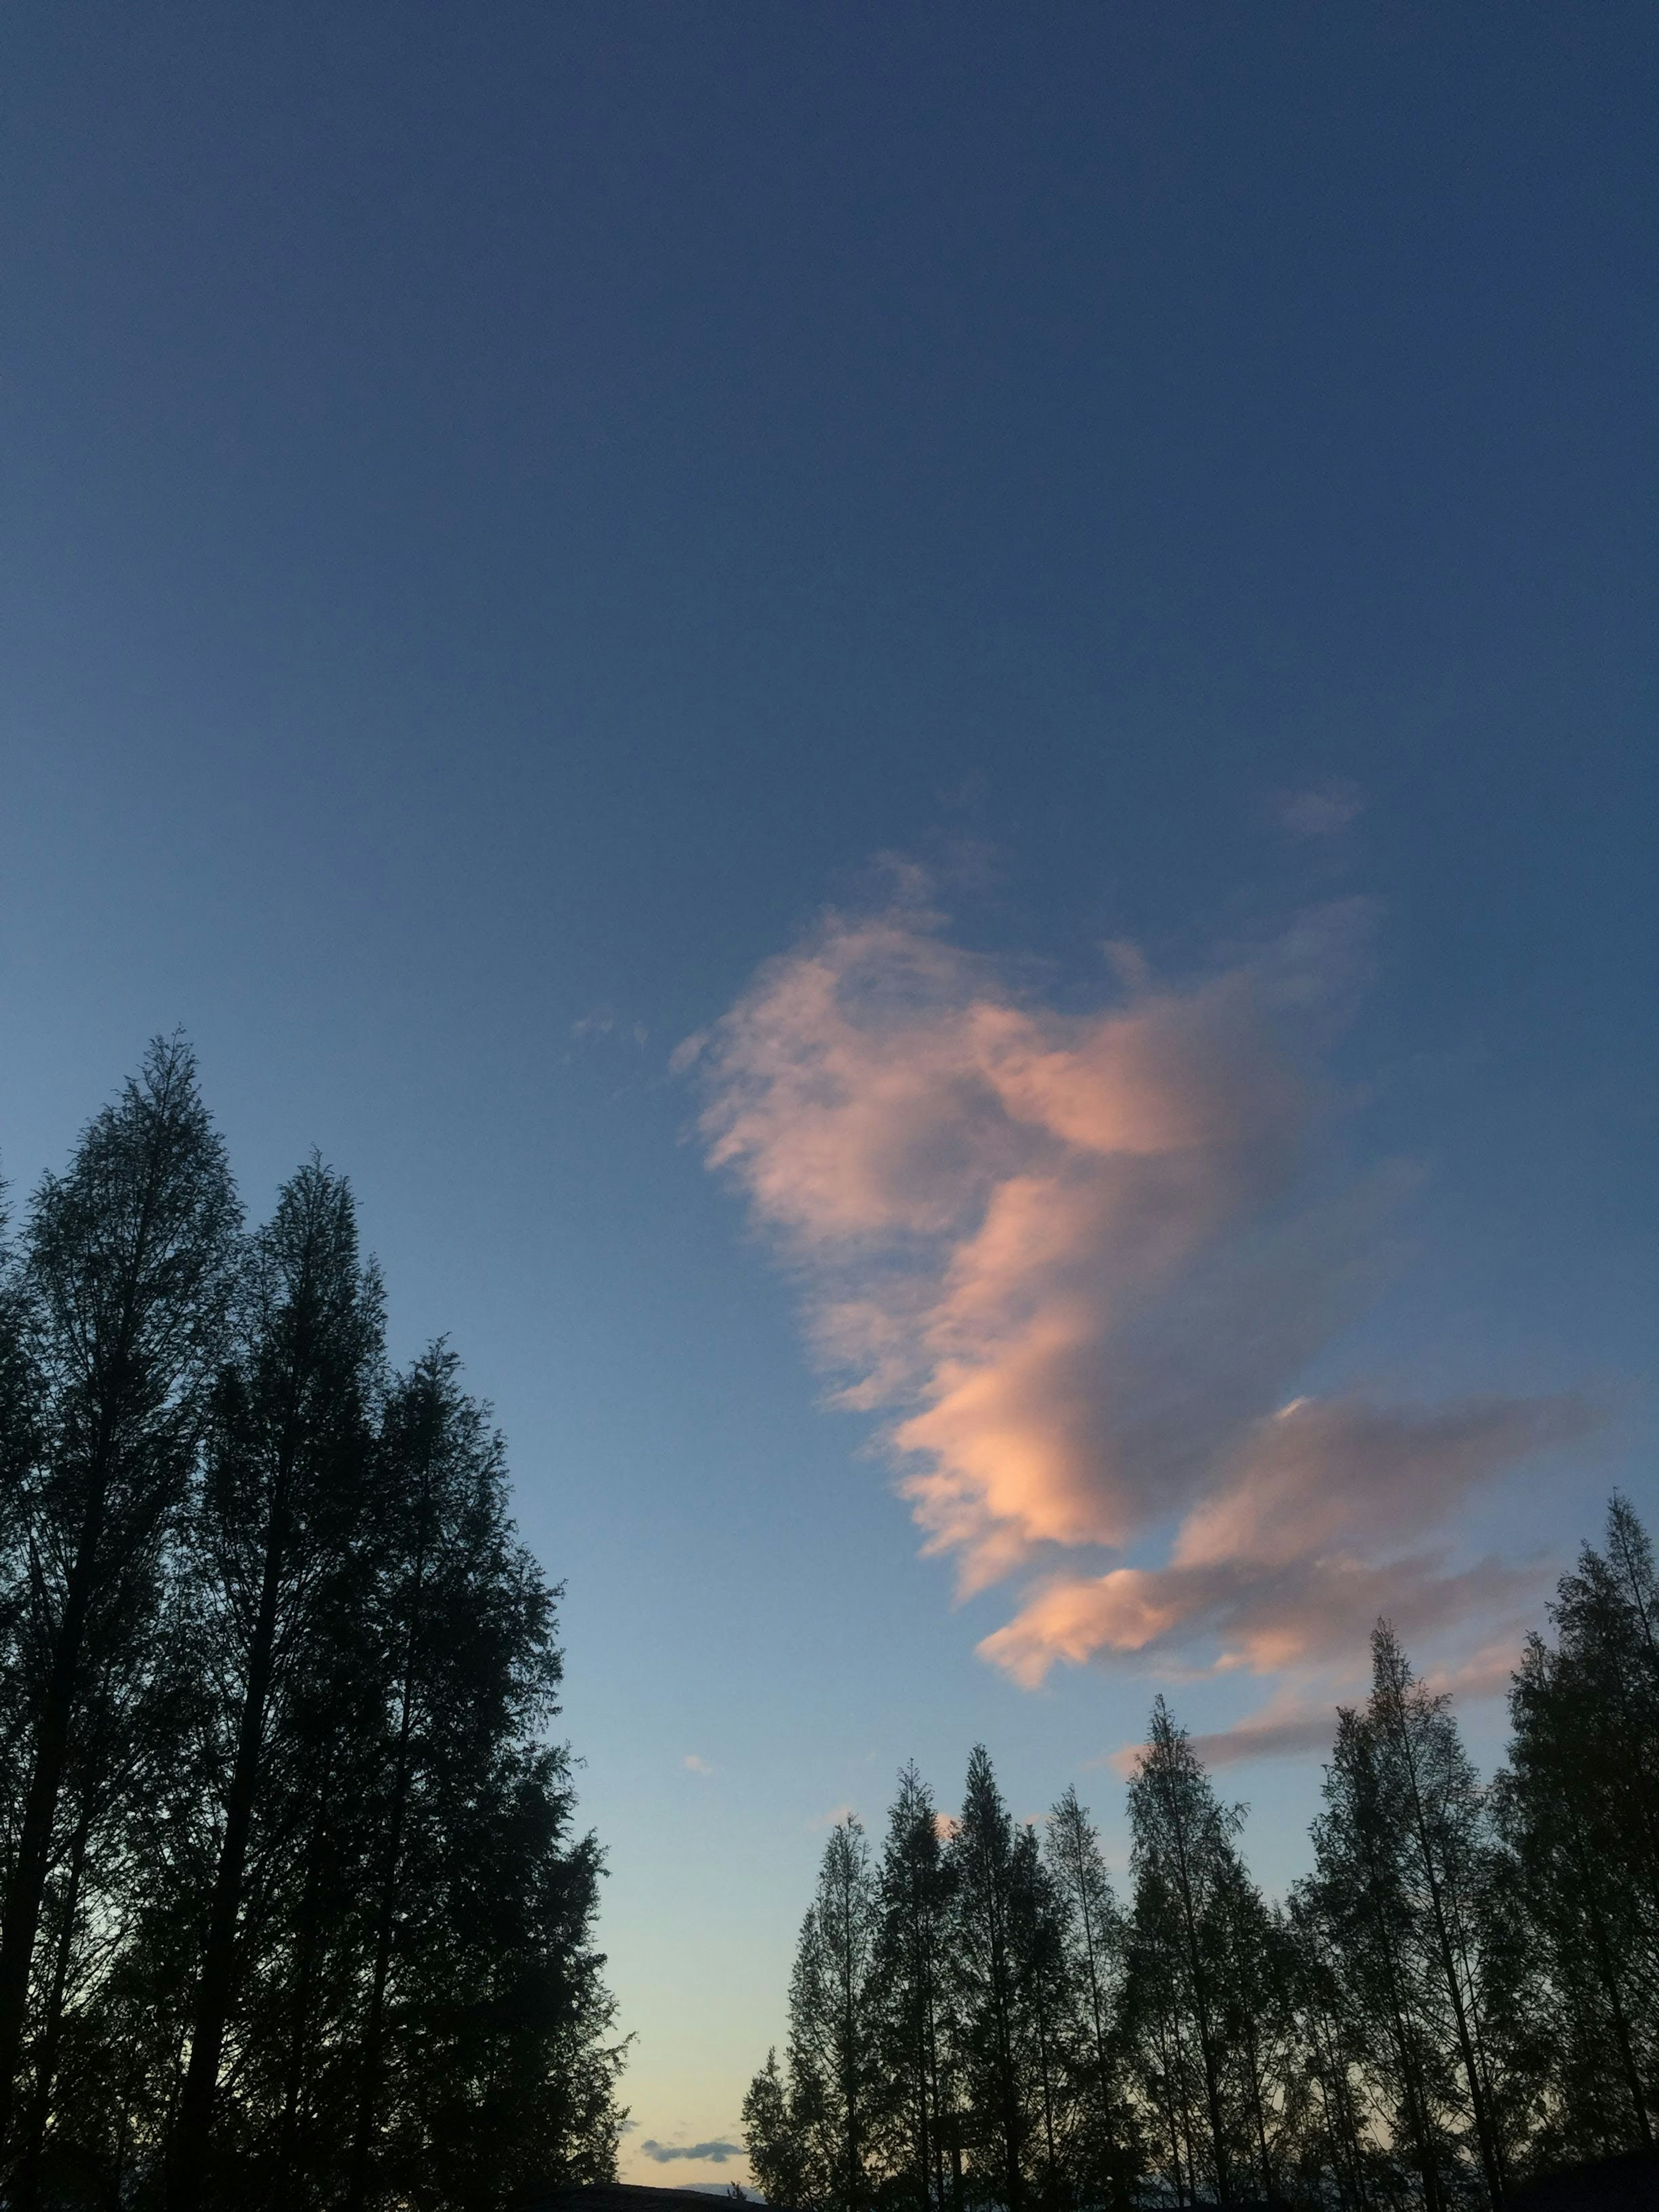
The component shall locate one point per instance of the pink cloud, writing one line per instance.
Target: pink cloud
(1083, 1261)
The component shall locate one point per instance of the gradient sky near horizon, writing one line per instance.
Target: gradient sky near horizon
(926, 734)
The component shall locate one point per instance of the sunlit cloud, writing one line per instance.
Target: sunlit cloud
(693, 1765)
(1083, 1262)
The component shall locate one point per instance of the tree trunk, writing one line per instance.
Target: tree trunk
(27, 1888)
(218, 1959)
(374, 2031)
(29, 2181)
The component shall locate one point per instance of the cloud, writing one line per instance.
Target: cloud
(716, 2153)
(1321, 811)
(1082, 1262)
(693, 1765)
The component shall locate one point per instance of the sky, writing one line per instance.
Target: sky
(926, 733)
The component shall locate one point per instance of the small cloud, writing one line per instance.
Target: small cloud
(1322, 810)
(835, 1816)
(944, 1826)
(604, 1022)
(716, 2153)
(693, 1765)
(686, 1051)
(1128, 964)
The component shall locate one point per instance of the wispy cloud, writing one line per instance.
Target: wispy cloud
(1321, 811)
(1083, 1260)
(716, 2153)
(693, 1765)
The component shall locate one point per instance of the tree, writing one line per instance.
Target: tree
(480, 2057)
(1576, 1806)
(1184, 1865)
(914, 1898)
(988, 1951)
(1095, 1943)
(290, 1875)
(282, 1509)
(775, 2140)
(125, 1279)
(833, 2025)
(1406, 1863)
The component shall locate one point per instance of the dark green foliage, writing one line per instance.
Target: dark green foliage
(309, 1924)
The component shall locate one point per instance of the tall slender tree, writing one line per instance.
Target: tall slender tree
(282, 1515)
(1576, 1808)
(1095, 1940)
(126, 1275)
(463, 1622)
(988, 1994)
(913, 1893)
(833, 2016)
(1438, 1817)
(1183, 1857)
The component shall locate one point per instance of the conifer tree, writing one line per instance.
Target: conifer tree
(1405, 1865)
(123, 1279)
(283, 1509)
(479, 2048)
(1183, 1863)
(989, 1990)
(1094, 1942)
(834, 2026)
(775, 2140)
(1577, 1806)
(914, 1889)
(290, 1870)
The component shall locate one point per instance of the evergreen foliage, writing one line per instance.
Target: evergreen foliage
(294, 1912)
(1462, 1993)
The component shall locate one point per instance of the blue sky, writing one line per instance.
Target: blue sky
(513, 515)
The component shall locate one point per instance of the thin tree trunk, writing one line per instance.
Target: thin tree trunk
(27, 1888)
(218, 1960)
(310, 1939)
(1490, 2163)
(1201, 2002)
(374, 2028)
(29, 2182)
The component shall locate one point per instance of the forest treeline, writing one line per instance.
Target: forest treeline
(294, 1913)
(1461, 1993)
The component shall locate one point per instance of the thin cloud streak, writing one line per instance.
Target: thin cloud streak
(1083, 1262)
(715, 2154)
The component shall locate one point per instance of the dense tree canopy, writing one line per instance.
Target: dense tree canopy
(294, 1913)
